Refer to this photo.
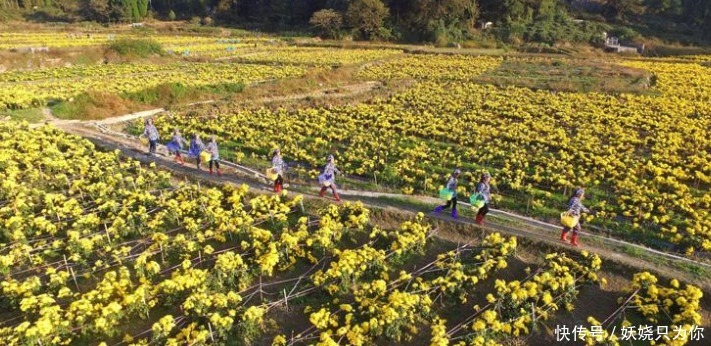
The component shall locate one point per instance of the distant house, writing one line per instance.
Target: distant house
(612, 44)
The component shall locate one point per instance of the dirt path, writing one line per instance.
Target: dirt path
(664, 264)
(530, 222)
(344, 91)
(48, 116)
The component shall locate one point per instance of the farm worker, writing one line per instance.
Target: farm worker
(484, 190)
(451, 186)
(151, 132)
(278, 167)
(214, 155)
(176, 145)
(575, 206)
(327, 178)
(196, 147)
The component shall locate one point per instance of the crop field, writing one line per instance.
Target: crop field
(38, 87)
(108, 251)
(16, 41)
(644, 157)
(99, 248)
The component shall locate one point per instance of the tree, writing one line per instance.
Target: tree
(142, 8)
(328, 21)
(429, 16)
(67, 6)
(97, 10)
(367, 16)
(673, 7)
(547, 10)
(622, 8)
(515, 18)
(517, 11)
(698, 12)
(135, 11)
(118, 10)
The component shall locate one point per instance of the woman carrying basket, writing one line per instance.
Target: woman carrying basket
(175, 146)
(196, 148)
(214, 155)
(151, 132)
(575, 206)
(278, 169)
(328, 177)
(483, 191)
(451, 187)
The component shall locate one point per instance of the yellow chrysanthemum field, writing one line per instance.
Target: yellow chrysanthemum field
(97, 248)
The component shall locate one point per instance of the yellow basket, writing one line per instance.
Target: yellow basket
(144, 140)
(271, 174)
(205, 156)
(568, 220)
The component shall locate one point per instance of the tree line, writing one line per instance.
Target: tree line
(407, 20)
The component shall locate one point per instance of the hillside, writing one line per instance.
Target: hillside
(511, 22)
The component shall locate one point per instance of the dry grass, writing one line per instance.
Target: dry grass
(14, 60)
(319, 89)
(313, 80)
(96, 105)
(569, 75)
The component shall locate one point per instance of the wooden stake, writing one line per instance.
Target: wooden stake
(286, 300)
(212, 336)
(71, 270)
(106, 229)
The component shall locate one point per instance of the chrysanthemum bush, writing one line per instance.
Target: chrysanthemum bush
(670, 309)
(95, 248)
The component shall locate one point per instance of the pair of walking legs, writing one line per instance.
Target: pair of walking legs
(574, 239)
(152, 144)
(217, 166)
(481, 214)
(278, 184)
(178, 158)
(198, 161)
(333, 189)
(451, 203)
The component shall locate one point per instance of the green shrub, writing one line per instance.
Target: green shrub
(625, 34)
(138, 48)
(225, 88)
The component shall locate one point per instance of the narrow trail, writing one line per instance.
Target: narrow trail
(342, 91)
(47, 114)
(334, 92)
(662, 263)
